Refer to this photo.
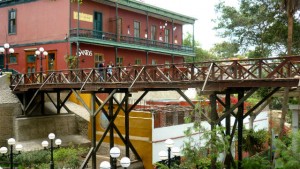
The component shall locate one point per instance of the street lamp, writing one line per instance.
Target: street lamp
(115, 153)
(169, 144)
(105, 165)
(3, 150)
(6, 50)
(41, 53)
(125, 162)
(167, 155)
(45, 144)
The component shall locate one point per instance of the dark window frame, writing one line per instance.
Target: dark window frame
(13, 56)
(12, 21)
(137, 29)
(167, 35)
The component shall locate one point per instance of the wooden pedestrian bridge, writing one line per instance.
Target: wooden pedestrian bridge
(212, 75)
(240, 76)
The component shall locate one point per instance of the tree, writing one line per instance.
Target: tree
(290, 6)
(201, 54)
(225, 50)
(259, 27)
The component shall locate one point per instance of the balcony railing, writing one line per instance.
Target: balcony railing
(106, 36)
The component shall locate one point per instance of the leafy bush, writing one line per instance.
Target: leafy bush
(256, 162)
(288, 152)
(254, 141)
(68, 157)
(32, 159)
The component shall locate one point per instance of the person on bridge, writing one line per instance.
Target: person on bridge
(109, 69)
(101, 71)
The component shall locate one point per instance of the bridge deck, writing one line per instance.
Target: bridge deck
(215, 75)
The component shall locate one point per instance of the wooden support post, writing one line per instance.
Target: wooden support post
(111, 131)
(127, 124)
(240, 129)
(213, 117)
(42, 103)
(93, 121)
(228, 129)
(58, 107)
(24, 103)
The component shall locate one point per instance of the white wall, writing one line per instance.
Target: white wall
(176, 133)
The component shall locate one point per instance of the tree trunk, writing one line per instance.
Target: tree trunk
(284, 111)
(290, 32)
(289, 45)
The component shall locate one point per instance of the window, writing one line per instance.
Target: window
(98, 58)
(12, 21)
(169, 119)
(138, 61)
(51, 61)
(153, 32)
(119, 61)
(154, 62)
(31, 59)
(136, 29)
(167, 36)
(13, 58)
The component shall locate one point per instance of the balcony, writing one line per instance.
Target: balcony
(106, 38)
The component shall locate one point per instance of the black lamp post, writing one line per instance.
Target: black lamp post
(115, 153)
(41, 53)
(3, 150)
(171, 150)
(45, 144)
(6, 50)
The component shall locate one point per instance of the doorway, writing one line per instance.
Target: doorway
(51, 61)
(98, 21)
(1, 61)
(30, 63)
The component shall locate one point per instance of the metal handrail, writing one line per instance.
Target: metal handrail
(107, 36)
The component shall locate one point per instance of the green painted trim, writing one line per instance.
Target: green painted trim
(155, 10)
(15, 2)
(130, 46)
(39, 43)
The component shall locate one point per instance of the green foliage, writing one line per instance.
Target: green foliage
(253, 141)
(288, 152)
(32, 159)
(68, 157)
(256, 162)
(72, 61)
(225, 50)
(258, 26)
(201, 54)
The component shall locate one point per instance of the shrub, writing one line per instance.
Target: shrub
(256, 162)
(288, 152)
(63, 158)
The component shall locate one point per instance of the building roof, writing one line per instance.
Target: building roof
(153, 11)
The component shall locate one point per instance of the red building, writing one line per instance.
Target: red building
(123, 32)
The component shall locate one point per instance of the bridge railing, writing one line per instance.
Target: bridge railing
(285, 67)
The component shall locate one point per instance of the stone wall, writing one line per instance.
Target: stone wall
(9, 108)
(8, 111)
(28, 128)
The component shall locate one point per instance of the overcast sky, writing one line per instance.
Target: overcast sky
(204, 11)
